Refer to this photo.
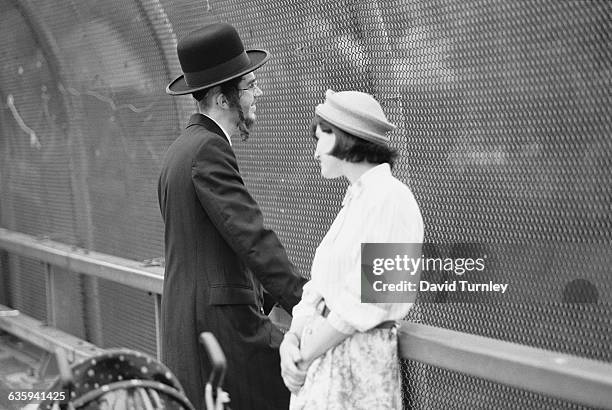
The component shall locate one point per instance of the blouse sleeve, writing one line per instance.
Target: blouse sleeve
(308, 303)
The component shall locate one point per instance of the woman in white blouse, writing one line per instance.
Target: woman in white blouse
(340, 353)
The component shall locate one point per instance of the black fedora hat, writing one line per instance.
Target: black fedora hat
(213, 55)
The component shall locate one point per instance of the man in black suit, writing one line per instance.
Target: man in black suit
(218, 252)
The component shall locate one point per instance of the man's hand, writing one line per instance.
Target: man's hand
(293, 375)
(222, 398)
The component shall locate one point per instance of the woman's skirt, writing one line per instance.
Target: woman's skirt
(360, 373)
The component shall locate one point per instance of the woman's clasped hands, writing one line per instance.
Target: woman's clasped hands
(293, 367)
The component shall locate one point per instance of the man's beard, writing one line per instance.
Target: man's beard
(244, 124)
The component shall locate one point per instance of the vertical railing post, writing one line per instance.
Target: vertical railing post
(50, 295)
(157, 301)
(4, 278)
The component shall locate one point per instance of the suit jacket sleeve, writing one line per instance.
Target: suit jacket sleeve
(234, 212)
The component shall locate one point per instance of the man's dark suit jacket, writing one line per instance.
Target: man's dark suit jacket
(217, 255)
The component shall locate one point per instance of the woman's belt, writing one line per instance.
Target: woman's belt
(325, 311)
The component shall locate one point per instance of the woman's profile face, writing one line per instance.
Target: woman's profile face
(331, 167)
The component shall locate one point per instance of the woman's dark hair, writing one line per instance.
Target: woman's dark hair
(354, 149)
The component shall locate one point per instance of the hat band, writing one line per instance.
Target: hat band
(219, 71)
(371, 129)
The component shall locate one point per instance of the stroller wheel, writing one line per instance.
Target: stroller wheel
(117, 379)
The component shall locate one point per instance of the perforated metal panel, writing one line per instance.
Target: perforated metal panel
(101, 130)
(504, 115)
(36, 191)
(428, 387)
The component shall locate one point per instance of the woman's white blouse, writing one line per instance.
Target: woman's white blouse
(376, 208)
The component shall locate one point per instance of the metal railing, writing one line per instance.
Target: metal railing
(550, 373)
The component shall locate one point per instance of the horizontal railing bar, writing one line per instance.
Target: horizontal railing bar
(46, 337)
(112, 268)
(555, 374)
(546, 372)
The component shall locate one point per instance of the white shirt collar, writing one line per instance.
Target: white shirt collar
(220, 126)
(354, 190)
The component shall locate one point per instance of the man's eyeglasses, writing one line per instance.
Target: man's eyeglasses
(251, 87)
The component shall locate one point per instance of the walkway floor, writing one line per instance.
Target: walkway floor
(20, 364)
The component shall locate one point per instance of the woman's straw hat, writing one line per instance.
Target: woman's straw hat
(357, 113)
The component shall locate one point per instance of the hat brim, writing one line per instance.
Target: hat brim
(258, 58)
(333, 117)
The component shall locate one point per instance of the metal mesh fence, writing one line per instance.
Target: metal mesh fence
(428, 387)
(504, 114)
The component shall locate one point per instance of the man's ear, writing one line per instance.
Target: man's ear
(221, 100)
